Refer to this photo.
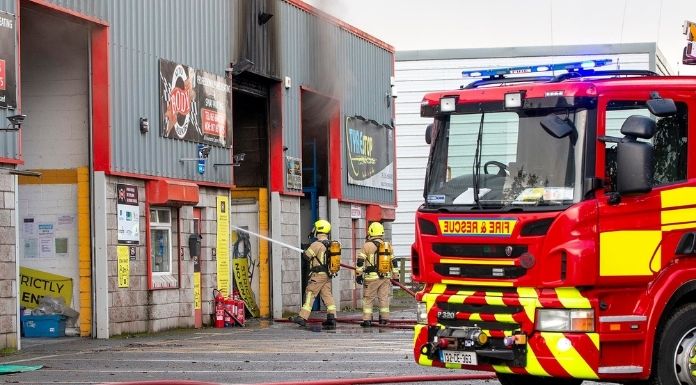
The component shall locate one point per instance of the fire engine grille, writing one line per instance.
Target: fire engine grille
(482, 251)
(451, 315)
(479, 271)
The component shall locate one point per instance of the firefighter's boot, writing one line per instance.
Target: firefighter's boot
(383, 321)
(330, 323)
(298, 320)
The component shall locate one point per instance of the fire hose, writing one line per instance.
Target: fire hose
(342, 381)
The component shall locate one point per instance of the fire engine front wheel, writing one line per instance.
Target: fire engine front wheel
(514, 379)
(676, 357)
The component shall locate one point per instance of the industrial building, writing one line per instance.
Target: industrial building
(141, 134)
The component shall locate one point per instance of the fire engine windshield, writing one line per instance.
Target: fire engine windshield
(506, 159)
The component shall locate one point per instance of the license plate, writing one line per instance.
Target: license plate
(464, 358)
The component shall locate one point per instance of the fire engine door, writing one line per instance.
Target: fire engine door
(638, 234)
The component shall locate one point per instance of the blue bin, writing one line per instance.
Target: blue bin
(52, 325)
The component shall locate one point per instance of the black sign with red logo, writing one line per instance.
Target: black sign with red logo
(194, 105)
(8, 81)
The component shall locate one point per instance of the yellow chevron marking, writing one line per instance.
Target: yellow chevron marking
(529, 299)
(494, 300)
(571, 298)
(679, 226)
(438, 288)
(422, 358)
(477, 283)
(533, 365)
(475, 317)
(505, 318)
(629, 253)
(498, 262)
(595, 339)
(502, 369)
(567, 356)
(683, 196)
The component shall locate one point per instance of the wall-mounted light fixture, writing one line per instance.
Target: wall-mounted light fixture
(264, 17)
(237, 160)
(239, 67)
(204, 151)
(144, 125)
(15, 122)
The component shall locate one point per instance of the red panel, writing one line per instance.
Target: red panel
(150, 177)
(276, 137)
(77, 15)
(171, 193)
(377, 213)
(11, 161)
(336, 155)
(100, 99)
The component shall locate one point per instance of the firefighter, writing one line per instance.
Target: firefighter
(375, 269)
(319, 278)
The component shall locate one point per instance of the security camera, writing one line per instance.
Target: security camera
(205, 151)
(16, 119)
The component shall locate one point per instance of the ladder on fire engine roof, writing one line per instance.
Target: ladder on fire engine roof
(501, 79)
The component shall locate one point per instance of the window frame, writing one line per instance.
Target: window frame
(158, 225)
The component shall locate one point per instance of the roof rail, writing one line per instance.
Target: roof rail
(500, 79)
(593, 73)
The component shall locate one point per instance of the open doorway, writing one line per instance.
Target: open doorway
(53, 210)
(317, 114)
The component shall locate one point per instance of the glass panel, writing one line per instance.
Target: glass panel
(164, 216)
(160, 250)
(153, 216)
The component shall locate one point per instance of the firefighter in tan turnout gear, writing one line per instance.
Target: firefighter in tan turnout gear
(375, 269)
(324, 261)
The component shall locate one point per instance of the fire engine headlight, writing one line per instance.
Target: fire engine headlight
(565, 320)
(447, 104)
(421, 314)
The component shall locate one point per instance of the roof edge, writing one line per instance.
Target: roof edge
(341, 24)
(529, 51)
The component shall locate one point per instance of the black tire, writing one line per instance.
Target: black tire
(514, 379)
(677, 339)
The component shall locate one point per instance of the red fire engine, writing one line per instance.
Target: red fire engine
(557, 241)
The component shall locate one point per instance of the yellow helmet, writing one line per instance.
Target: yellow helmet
(375, 230)
(322, 226)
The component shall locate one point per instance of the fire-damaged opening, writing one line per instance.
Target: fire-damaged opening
(317, 111)
(250, 133)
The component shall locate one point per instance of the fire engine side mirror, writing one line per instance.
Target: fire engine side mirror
(429, 133)
(661, 107)
(555, 126)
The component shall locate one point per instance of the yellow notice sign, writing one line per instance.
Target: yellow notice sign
(35, 284)
(241, 278)
(223, 245)
(477, 227)
(197, 290)
(123, 266)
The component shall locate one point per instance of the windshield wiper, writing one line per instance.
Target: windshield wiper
(477, 162)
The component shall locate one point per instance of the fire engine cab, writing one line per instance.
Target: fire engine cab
(557, 238)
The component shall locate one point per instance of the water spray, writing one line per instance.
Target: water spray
(291, 247)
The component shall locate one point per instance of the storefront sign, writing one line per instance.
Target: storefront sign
(293, 175)
(369, 153)
(8, 80)
(194, 105)
(128, 214)
(223, 245)
(123, 255)
(241, 279)
(35, 284)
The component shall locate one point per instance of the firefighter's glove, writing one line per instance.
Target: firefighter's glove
(358, 271)
(359, 279)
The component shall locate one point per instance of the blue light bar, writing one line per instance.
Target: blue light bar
(523, 70)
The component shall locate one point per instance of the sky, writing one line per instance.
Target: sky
(442, 24)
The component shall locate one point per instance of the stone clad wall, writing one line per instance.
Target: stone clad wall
(8, 263)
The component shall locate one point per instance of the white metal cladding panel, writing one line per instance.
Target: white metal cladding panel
(142, 32)
(417, 77)
(9, 144)
(334, 62)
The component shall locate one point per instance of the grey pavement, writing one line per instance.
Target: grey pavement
(260, 352)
